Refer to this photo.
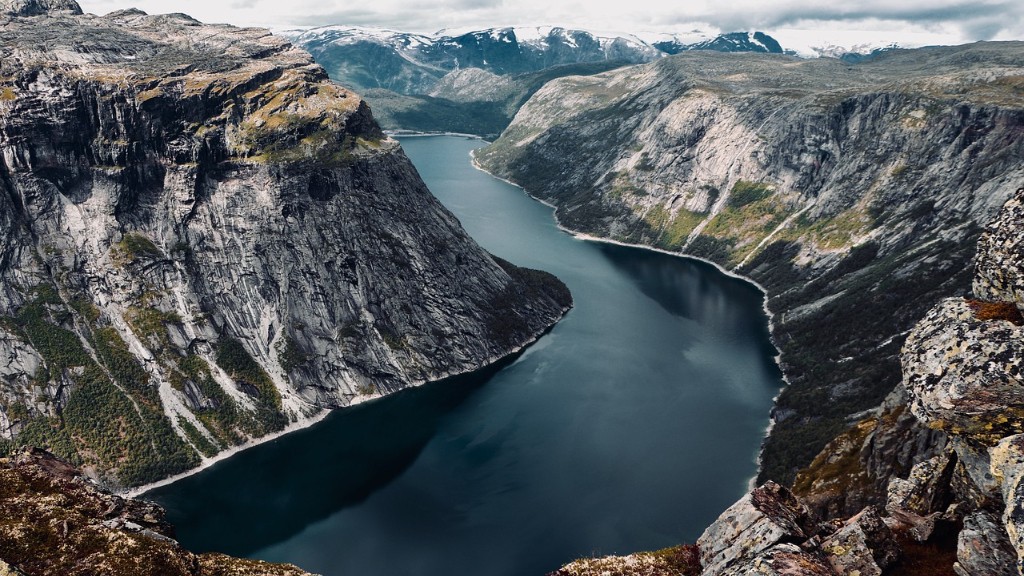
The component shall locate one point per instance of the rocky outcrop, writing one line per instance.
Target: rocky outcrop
(769, 515)
(205, 241)
(55, 521)
(854, 194)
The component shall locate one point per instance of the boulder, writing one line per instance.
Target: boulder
(864, 545)
(767, 516)
(926, 489)
(964, 375)
(983, 547)
(781, 560)
(1008, 469)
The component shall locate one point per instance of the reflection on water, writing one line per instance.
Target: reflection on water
(630, 426)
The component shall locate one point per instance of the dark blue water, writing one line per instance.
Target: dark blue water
(630, 426)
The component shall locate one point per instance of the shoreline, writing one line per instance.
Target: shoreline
(752, 482)
(317, 417)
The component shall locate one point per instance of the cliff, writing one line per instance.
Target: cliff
(853, 193)
(205, 241)
(957, 512)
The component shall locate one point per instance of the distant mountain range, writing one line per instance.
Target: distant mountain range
(406, 63)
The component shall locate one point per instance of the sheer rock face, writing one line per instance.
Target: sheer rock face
(54, 521)
(204, 240)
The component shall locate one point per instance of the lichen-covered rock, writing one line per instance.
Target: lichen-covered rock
(1008, 470)
(56, 522)
(203, 240)
(926, 489)
(999, 272)
(780, 560)
(864, 545)
(766, 516)
(973, 483)
(8, 570)
(964, 375)
(677, 561)
(854, 470)
(983, 548)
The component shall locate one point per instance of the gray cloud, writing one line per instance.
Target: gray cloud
(978, 20)
(958, 20)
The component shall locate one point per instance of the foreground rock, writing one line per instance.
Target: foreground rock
(204, 241)
(54, 521)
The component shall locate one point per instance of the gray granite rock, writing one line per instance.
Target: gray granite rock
(864, 545)
(1000, 263)
(766, 516)
(983, 548)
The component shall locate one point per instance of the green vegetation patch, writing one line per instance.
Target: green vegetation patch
(672, 230)
(150, 324)
(745, 192)
(135, 246)
(831, 233)
(100, 424)
(202, 443)
(236, 361)
(746, 225)
(290, 355)
(223, 418)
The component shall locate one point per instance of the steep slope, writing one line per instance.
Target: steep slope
(204, 241)
(852, 193)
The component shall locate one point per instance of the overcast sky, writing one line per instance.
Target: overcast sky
(909, 22)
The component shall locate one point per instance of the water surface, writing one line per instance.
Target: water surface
(630, 426)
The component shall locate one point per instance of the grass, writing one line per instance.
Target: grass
(745, 192)
(136, 247)
(746, 224)
(672, 230)
(236, 361)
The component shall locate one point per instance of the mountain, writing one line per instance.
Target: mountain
(731, 42)
(367, 58)
(206, 241)
(954, 511)
(474, 82)
(854, 194)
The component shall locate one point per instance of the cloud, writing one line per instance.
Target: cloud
(958, 20)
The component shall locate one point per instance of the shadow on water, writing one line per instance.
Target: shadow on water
(250, 500)
(696, 291)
